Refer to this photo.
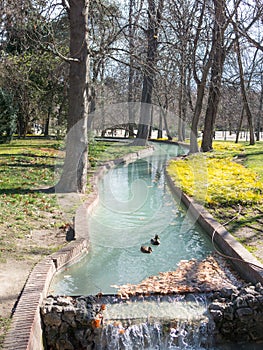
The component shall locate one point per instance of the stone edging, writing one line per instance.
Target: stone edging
(245, 263)
(25, 332)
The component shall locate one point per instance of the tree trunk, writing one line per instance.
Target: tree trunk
(197, 112)
(259, 115)
(181, 103)
(216, 75)
(243, 89)
(131, 71)
(200, 86)
(92, 106)
(74, 175)
(149, 73)
(160, 126)
(164, 114)
(47, 121)
(239, 125)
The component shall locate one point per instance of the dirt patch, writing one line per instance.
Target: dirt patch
(14, 273)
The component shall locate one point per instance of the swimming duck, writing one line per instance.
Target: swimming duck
(145, 249)
(155, 240)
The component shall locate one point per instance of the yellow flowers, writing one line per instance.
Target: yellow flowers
(222, 181)
(227, 146)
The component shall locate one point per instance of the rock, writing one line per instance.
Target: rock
(64, 344)
(233, 315)
(244, 313)
(68, 315)
(52, 319)
(240, 302)
(63, 301)
(217, 315)
(227, 328)
(229, 313)
(215, 306)
(259, 288)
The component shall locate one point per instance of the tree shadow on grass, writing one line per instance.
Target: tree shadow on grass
(10, 191)
(29, 165)
(28, 155)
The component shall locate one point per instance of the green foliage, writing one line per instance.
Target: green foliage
(8, 116)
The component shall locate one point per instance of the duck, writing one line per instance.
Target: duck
(146, 249)
(155, 240)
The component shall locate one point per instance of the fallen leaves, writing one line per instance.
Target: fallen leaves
(191, 276)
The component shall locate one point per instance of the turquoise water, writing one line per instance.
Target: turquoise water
(135, 204)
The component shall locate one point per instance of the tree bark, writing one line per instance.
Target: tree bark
(131, 71)
(154, 21)
(74, 175)
(243, 89)
(200, 85)
(197, 112)
(259, 114)
(240, 125)
(216, 75)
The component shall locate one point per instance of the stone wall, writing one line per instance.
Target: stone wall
(234, 315)
(238, 315)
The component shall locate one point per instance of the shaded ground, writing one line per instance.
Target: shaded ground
(247, 227)
(14, 273)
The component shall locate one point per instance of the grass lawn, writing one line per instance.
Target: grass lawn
(229, 182)
(25, 167)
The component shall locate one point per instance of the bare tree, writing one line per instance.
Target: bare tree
(74, 175)
(200, 80)
(243, 85)
(218, 58)
(260, 110)
(154, 21)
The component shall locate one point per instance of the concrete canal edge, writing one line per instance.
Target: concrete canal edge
(26, 328)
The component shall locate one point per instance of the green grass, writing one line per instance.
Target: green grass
(254, 158)
(26, 166)
(4, 325)
(100, 152)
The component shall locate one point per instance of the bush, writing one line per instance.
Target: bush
(8, 117)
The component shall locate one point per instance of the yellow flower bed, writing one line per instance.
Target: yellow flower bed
(221, 146)
(215, 181)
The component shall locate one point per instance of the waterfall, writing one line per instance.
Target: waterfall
(174, 335)
(176, 322)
